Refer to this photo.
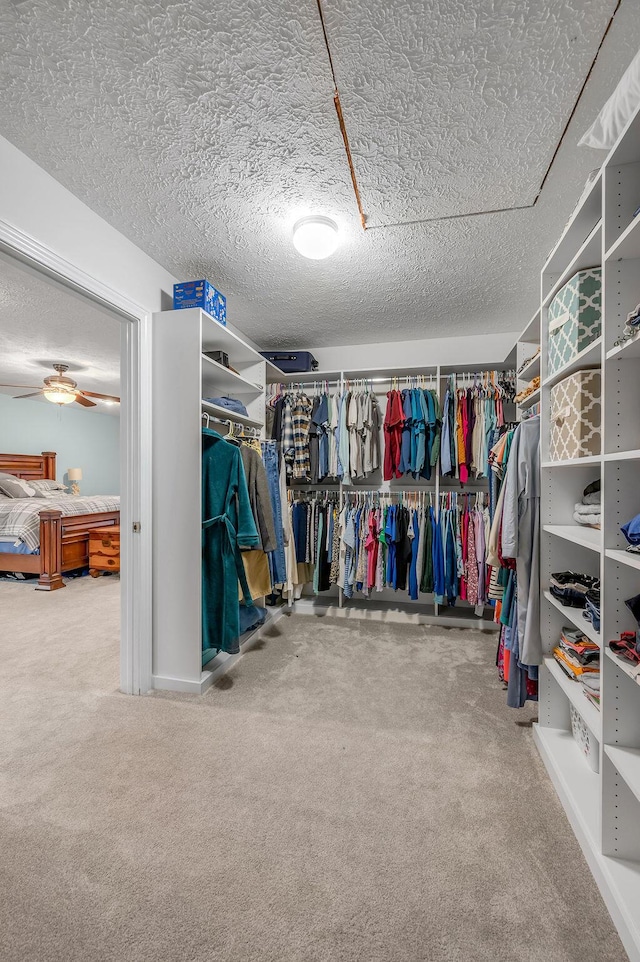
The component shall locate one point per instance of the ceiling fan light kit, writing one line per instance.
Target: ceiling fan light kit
(60, 389)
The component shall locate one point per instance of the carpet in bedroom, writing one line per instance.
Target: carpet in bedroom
(350, 791)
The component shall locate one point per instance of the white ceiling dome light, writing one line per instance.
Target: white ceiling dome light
(315, 236)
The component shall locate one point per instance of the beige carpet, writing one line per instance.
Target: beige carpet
(351, 792)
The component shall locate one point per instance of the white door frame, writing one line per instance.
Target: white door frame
(135, 449)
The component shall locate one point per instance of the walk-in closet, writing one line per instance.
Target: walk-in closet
(372, 690)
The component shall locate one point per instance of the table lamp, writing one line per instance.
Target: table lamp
(75, 475)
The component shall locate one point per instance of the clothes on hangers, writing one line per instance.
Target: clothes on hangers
(411, 433)
(327, 436)
(514, 544)
(227, 526)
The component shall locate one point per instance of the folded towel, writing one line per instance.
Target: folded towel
(588, 520)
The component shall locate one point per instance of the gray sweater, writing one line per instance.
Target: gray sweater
(259, 497)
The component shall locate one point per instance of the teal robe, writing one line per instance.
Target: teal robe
(227, 525)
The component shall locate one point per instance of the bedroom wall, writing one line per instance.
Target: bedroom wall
(81, 439)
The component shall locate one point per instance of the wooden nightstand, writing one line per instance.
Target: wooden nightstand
(104, 550)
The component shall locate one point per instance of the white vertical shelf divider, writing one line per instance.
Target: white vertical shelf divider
(182, 376)
(604, 807)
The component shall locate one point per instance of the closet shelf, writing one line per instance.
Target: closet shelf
(624, 456)
(585, 537)
(574, 615)
(577, 785)
(575, 693)
(589, 254)
(589, 357)
(531, 370)
(533, 398)
(305, 377)
(625, 666)
(623, 557)
(531, 333)
(627, 761)
(592, 459)
(582, 221)
(627, 351)
(627, 246)
(216, 337)
(219, 379)
(225, 415)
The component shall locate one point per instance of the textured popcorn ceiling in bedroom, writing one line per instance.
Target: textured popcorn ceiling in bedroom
(42, 323)
(202, 131)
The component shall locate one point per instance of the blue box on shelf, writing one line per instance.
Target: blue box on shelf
(200, 294)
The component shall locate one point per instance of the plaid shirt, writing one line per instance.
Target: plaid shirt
(301, 418)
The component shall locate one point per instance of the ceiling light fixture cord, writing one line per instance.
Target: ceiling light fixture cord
(475, 213)
(341, 123)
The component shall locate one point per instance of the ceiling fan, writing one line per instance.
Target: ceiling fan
(63, 390)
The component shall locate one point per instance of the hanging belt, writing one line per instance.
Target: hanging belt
(232, 537)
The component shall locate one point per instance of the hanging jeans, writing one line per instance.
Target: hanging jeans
(277, 562)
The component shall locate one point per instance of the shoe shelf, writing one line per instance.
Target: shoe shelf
(623, 557)
(575, 617)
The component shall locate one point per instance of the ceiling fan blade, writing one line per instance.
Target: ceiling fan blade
(20, 396)
(103, 397)
(84, 401)
(33, 387)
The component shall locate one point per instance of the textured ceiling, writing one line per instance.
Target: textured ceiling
(42, 323)
(202, 131)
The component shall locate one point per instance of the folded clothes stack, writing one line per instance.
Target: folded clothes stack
(529, 389)
(588, 511)
(230, 403)
(627, 647)
(575, 658)
(571, 588)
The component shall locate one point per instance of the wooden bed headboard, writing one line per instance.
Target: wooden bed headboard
(30, 466)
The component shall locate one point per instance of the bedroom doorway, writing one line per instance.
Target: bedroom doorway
(72, 567)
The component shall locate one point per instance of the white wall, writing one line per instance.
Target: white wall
(474, 351)
(81, 439)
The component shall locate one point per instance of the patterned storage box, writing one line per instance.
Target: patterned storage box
(575, 416)
(585, 739)
(575, 317)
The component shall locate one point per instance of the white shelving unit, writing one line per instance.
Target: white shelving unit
(388, 604)
(604, 808)
(528, 346)
(182, 375)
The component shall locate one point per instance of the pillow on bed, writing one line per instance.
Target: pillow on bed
(51, 494)
(15, 487)
(48, 485)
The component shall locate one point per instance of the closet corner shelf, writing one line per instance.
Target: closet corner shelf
(623, 557)
(575, 693)
(577, 785)
(589, 357)
(225, 415)
(627, 246)
(589, 254)
(305, 377)
(574, 615)
(632, 671)
(627, 761)
(217, 377)
(585, 537)
(531, 370)
(627, 351)
(533, 398)
(592, 460)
